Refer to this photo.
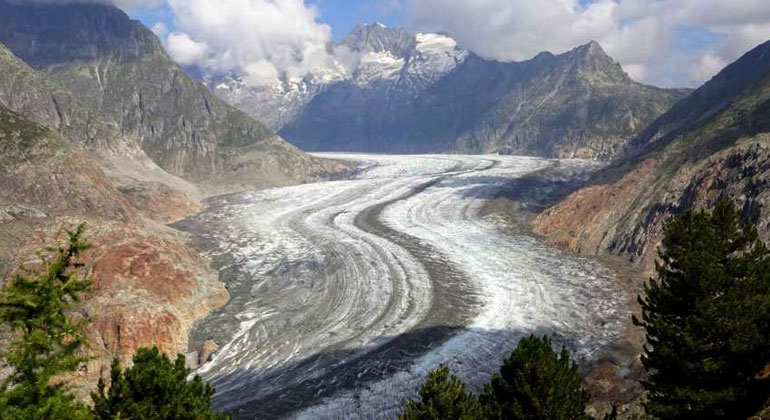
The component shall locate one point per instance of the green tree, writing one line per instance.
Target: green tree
(536, 383)
(707, 318)
(154, 388)
(443, 397)
(47, 341)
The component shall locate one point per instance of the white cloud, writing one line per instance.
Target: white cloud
(514, 29)
(709, 65)
(267, 39)
(159, 29)
(643, 35)
(260, 39)
(185, 50)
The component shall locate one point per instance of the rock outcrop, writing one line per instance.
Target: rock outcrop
(712, 146)
(207, 351)
(148, 289)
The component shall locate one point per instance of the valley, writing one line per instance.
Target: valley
(307, 220)
(345, 293)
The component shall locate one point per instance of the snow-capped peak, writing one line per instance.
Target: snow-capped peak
(373, 57)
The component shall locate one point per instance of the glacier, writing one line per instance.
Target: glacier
(346, 293)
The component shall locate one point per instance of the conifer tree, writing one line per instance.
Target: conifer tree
(154, 388)
(443, 397)
(47, 341)
(536, 383)
(707, 318)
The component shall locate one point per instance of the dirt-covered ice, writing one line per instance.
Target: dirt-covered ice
(345, 293)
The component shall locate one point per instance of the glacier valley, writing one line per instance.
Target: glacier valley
(344, 294)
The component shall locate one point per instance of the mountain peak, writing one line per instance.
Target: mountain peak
(46, 33)
(593, 49)
(591, 59)
(377, 37)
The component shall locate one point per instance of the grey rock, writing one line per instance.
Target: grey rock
(19, 211)
(118, 66)
(712, 146)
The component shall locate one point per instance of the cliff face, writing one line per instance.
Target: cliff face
(714, 145)
(35, 96)
(148, 289)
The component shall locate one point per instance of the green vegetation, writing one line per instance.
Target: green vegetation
(443, 397)
(536, 383)
(154, 388)
(707, 317)
(47, 341)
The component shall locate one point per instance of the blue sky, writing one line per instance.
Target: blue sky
(344, 15)
(341, 15)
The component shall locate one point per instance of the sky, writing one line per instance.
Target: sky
(669, 43)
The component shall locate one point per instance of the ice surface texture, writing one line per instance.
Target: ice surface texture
(344, 294)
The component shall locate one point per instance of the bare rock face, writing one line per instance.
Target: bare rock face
(40, 169)
(683, 160)
(207, 351)
(148, 290)
(37, 98)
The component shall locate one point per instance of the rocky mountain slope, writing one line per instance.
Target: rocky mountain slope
(714, 145)
(149, 288)
(98, 125)
(409, 92)
(577, 104)
(46, 174)
(120, 68)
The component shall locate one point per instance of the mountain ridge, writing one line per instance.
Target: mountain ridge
(714, 145)
(120, 68)
(406, 93)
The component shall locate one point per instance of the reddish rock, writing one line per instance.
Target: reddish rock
(148, 291)
(624, 211)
